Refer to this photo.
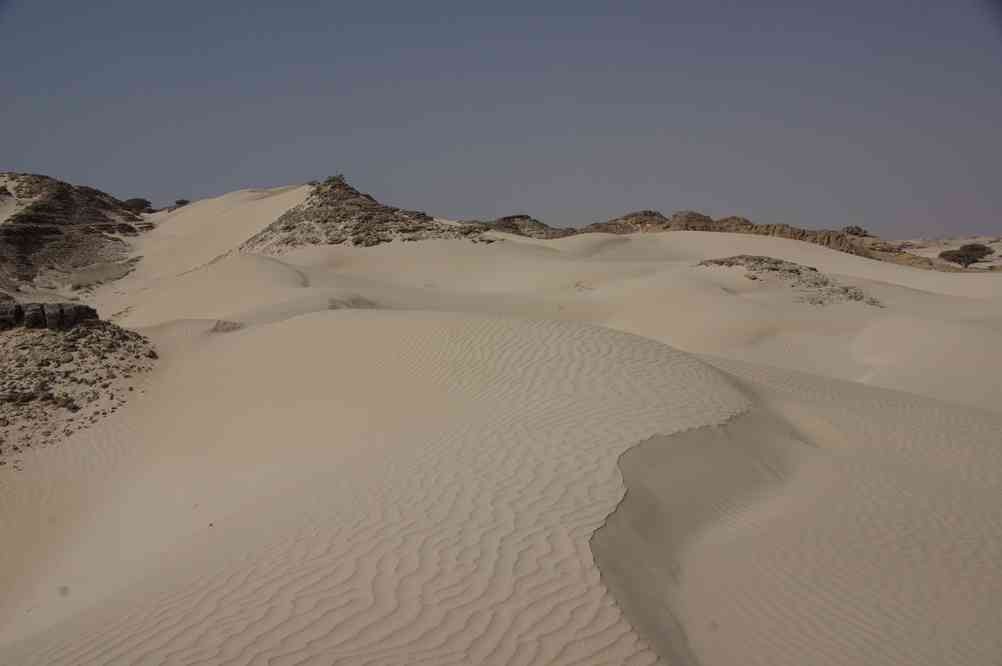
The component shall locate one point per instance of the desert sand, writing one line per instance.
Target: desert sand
(585, 450)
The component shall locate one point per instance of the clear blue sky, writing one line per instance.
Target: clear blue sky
(884, 113)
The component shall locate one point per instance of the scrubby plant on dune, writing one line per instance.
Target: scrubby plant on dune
(968, 254)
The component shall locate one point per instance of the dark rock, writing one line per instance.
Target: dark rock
(75, 313)
(11, 315)
(34, 315)
(53, 316)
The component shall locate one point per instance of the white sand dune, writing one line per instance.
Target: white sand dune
(405, 452)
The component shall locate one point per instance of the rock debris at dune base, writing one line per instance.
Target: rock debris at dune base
(56, 382)
(813, 286)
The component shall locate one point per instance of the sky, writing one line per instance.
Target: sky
(883, 113)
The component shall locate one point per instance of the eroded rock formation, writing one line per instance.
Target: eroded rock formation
(53, 316)
(49, 225)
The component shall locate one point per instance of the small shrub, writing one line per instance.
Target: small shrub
(965, 255)
(178, 203)
(855, 230)
(138, 205)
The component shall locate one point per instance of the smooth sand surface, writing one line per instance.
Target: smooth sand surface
(407, 453)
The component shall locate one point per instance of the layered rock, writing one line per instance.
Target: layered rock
(52, 225)
(53, 316)
(336, 213)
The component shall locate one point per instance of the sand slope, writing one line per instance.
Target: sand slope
(402, 453)
(841, 526)
(454, 527)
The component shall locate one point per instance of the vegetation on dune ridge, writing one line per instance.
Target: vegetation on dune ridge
(965, 255)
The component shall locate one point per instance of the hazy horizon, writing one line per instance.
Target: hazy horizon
(808, 113)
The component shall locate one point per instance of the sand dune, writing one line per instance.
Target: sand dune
(405, 454)
(454, 527)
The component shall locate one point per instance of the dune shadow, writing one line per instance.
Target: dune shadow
(678, 486)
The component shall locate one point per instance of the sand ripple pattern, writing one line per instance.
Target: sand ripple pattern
(469, 544)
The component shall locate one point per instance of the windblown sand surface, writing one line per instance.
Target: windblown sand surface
(407, 454)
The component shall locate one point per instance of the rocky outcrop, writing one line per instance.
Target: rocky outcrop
(647, 221)
(52, 225)
(812, 285)
(53, 316)
(525, 225)
(835, 240)
(336, 213)
(56, 382)
(641, 221)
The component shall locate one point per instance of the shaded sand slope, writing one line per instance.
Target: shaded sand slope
(453, 528)
(882, 547)
(829, 525)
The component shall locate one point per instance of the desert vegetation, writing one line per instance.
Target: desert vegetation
(965, 255)
(138, 205)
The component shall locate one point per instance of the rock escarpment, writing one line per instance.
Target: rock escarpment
(51, 226)
(336, 213)
(53, 316)
(647, 221)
